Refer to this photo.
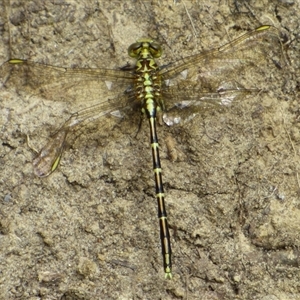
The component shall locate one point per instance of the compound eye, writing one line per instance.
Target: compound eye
(134, 49)
(155, 49)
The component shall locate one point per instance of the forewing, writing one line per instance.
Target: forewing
(236, 61)
(63, 84)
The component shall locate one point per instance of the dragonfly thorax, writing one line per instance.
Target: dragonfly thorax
(148, 86)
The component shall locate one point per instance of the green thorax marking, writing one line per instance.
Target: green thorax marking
(148, 82)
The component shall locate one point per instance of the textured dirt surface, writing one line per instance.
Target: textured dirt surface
(90, 230)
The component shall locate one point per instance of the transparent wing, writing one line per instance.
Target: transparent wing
(104, 114)
(73, 85)
(249, 58)
(64, 84)
(196, 101)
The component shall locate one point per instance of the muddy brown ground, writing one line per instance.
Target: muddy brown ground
(90, 230)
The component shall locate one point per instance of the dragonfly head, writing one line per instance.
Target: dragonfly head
(145, 47)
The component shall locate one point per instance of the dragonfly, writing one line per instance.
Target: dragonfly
(170, 93)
